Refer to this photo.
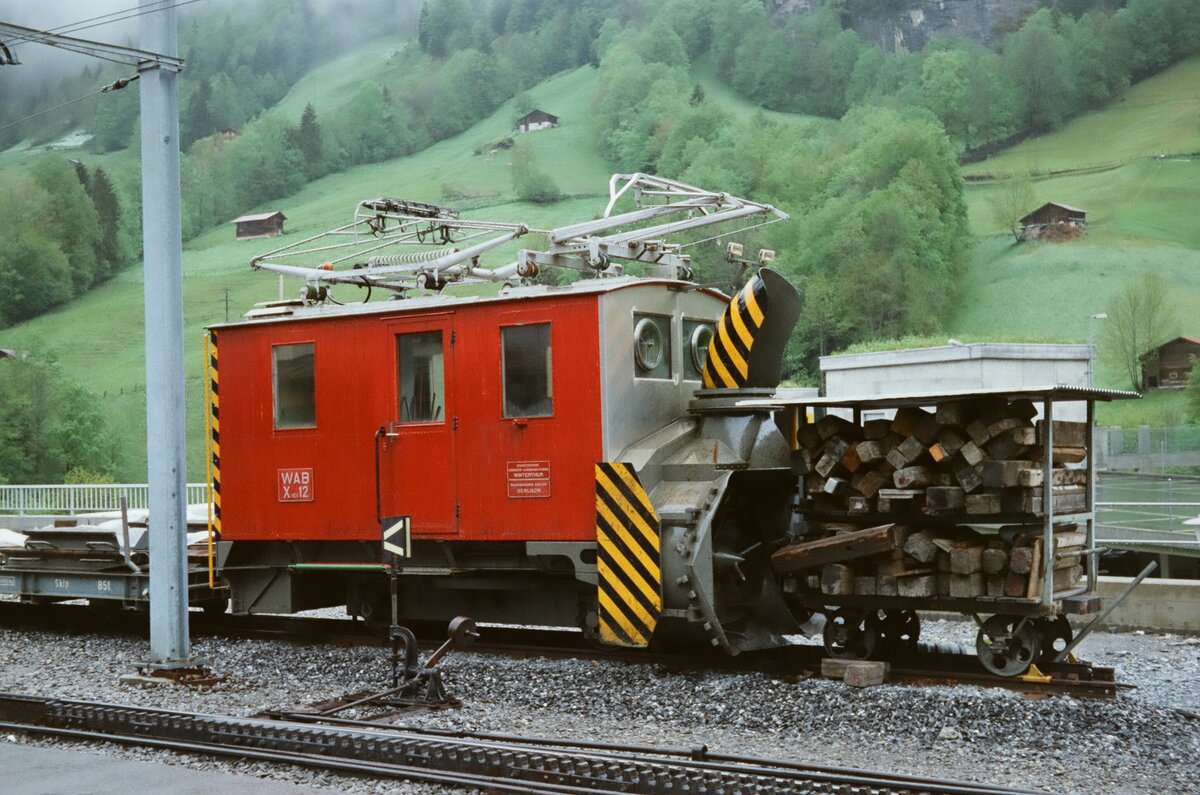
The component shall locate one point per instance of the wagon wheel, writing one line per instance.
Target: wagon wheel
(900, 630)
(1054, 635)
(851, 634)
(1007, 645)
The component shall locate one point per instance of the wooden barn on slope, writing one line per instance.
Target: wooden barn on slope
(1054, 221)
(536, 120)
(1170, 364)
(259, 225)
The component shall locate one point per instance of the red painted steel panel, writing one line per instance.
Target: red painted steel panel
(438, 474)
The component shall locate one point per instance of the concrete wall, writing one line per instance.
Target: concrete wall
(1165, 605)
(961, 367)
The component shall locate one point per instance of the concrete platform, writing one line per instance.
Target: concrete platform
(1166, 605)
(37, 770)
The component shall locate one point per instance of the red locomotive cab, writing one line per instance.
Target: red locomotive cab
(480, 419)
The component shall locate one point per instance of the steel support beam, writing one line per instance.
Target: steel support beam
(163, 257)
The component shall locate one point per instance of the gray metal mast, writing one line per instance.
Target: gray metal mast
(163, 256)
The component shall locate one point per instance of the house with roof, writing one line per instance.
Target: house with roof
(269, 224)
(536, 120)
(1054, 221)
(1170, 364)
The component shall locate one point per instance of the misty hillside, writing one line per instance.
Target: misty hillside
(859, 143)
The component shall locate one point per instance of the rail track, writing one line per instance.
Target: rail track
(494, 762)
(927, 664)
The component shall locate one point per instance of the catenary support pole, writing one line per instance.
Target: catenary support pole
(162, 251)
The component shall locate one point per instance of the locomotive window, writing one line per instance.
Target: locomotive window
(696, 336)
(651, 346)
(528, 375)
(422, 385)
(295, 388)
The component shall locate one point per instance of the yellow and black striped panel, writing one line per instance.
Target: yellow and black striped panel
(627, 563)
(214, 407)
(728, 362)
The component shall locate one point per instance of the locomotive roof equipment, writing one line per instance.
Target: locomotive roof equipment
(400, 245)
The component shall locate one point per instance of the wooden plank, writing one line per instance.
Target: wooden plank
(955, 412)
(966, 474)
(809, 437)
(926, 428)
(911, 448)
(1066, 434)
(945, 499)
(864, 586)
(1035, 571)
(967, 586)
(1005, 474)
(850, 546)
(1062, 455)
(978, 432)
(870, 451)
(906, 420)
(837, 579)
(983, 503)
(951, 440)
(994, 561)
(971, 453)
(1060, 476)
(913, 477)
(875, 430)
(870, 483)
(850, 461)
(920, 547)
(922, 586)
(832, 424)
(967, 560)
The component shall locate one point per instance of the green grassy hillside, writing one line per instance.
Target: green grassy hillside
(99, 338)
(1160, 115)
(1141, 220)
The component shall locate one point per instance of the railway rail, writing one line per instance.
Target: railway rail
(495, 762)
(926, 664)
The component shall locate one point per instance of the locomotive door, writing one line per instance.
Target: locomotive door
(418, 472)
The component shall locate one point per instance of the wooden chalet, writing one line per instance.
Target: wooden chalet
(536, 120)
(1054, 221)
(259, 225)
(1170, 364)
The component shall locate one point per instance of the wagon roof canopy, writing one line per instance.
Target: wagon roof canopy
(1055, 392)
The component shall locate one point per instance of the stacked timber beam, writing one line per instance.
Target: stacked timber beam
(975, 457)
(910, 561)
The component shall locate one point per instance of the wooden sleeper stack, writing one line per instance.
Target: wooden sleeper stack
(976, 457)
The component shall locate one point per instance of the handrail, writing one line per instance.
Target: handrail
(71, 499)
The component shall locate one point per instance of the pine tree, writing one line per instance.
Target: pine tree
(196, 122)
(111, 250)
(310, 144)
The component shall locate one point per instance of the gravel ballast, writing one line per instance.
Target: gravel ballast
(1146, 740)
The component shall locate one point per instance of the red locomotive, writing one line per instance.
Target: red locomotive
(568, 455)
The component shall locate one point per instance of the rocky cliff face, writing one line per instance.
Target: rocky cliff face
(909, 24)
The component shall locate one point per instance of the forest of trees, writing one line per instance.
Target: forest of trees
(51, 430)
(879, 230)
(63, 234)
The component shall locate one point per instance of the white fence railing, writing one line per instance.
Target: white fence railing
(83, 498)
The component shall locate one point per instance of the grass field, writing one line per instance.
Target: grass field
(1141, 219)
(99, 338)
(1160, 115)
